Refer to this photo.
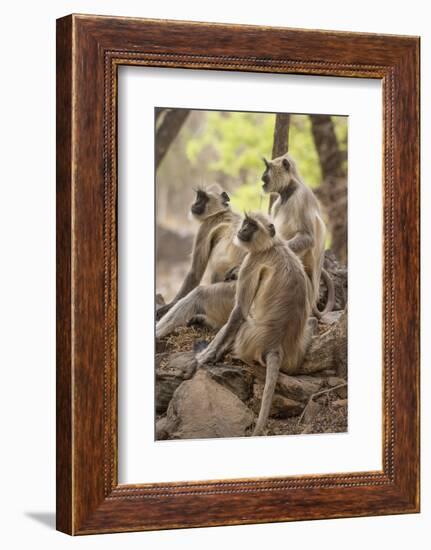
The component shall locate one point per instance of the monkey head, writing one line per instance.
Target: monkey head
(278, 174)
(209, 202)
(256, 232)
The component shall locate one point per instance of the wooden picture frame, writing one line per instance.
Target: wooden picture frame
(89, 51)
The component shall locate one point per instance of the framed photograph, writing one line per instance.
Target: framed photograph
(237, 274)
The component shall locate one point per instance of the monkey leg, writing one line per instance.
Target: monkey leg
(163, 310)
(273, 362)
(213, 302)
(180, 314)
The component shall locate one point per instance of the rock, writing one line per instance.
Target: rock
(331, 317)
(333, 381)
(161, 431)
(159, 358)
(308, 429)
(298, 388)
(184, 361)
(338, 274)
(339, 403)
(202, 408)
(166, 384)
(161, 346)
(341, 392)
(311, 410)
(313, 325)
(180, 366)
(328, 351)
(281, 407)
(234, 378)
(328, 372)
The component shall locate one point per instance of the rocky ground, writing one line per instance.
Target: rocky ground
(223, 400)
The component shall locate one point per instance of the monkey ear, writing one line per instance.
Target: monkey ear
(271, 229)
(266, 162)
(225, 197)
(286, 164)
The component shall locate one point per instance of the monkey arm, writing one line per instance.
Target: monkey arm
(303, 240)
(247, 287)
(202, 249)
(223, 339)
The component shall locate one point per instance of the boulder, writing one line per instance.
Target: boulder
(299, 388)
(202, 408)
(339, 404)
(184, 361)
(338, 274)
(235, 378)
(311, 410)
(328, 351)
(178, 367)
(334, 381)
(281, 407)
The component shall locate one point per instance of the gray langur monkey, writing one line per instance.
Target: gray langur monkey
(213, 248)
(269, 322)
(298, 219)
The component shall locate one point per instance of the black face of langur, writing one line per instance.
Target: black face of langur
(208, 203)
(277, 175)
(256, 232)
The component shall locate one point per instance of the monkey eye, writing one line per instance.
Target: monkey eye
(286, 164)
(249, 222)
(271, 229)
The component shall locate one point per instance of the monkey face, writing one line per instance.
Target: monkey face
(277, 174)
(247, 230)
(209, 202)
(256, 232)
(266, 177)
(200, 204)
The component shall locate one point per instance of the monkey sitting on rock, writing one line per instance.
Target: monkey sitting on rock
(213, 251)
(298, 219)
(268, 324)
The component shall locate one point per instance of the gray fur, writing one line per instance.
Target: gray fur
(298, 219)
(271, 310)
(213, 248)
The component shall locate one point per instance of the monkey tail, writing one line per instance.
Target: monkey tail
(273, 361)
(331, 296)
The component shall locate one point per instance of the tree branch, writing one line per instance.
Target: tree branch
(168, 131)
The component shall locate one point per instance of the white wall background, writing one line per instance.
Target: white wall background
(27, 287)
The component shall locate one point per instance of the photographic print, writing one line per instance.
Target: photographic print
(251, 273)
(205, 279)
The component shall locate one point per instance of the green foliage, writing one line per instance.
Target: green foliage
(249, 198)
(239, 140)
(231, 144)
(302, 149)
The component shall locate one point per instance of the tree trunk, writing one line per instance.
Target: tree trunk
(281, 135)
(168, 129)
(333, 190)
(281, 141)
